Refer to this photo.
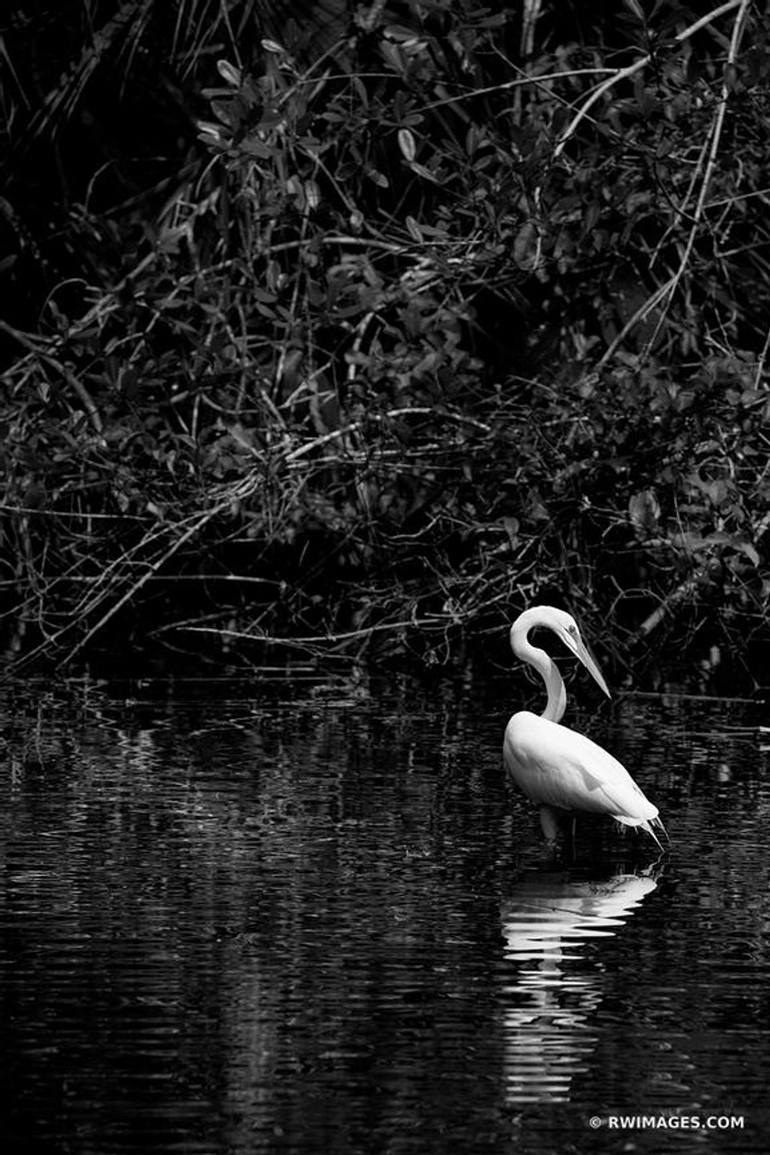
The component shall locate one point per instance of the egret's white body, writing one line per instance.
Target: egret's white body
(556, 768)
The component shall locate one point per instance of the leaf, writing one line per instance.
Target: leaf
(591, 215)
(511, 526)
(747, 549)
(208, 130)
(635, 7)
(644, 510)
(312, 194)
(525, 246)
(378, 177)
(406, 144)
(414, 230)
(229, 73)
(422, 171)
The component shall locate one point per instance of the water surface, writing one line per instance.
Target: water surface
(318, 920)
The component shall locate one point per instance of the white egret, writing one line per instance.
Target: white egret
(556, 768)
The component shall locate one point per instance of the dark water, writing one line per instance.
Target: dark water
(324, 924)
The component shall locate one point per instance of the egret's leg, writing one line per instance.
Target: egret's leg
(550, 824)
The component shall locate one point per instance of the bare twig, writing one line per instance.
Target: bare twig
(716, 136)
(632, 69)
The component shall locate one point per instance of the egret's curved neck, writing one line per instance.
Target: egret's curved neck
(546, 667)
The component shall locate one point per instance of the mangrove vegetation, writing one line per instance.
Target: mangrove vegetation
(364, 325)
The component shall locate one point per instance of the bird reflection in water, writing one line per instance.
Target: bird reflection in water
(548, 920)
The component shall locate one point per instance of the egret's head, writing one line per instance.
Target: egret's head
(565, 627)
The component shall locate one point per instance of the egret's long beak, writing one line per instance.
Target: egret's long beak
(581, 651)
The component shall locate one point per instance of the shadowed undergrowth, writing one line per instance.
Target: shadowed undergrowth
(433, 325)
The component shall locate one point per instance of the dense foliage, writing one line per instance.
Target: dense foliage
(407, 323)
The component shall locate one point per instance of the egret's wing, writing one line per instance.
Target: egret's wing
(555, 766)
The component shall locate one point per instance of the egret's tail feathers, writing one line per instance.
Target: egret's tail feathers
(645, 824)
(647, 827)
(657, 822)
